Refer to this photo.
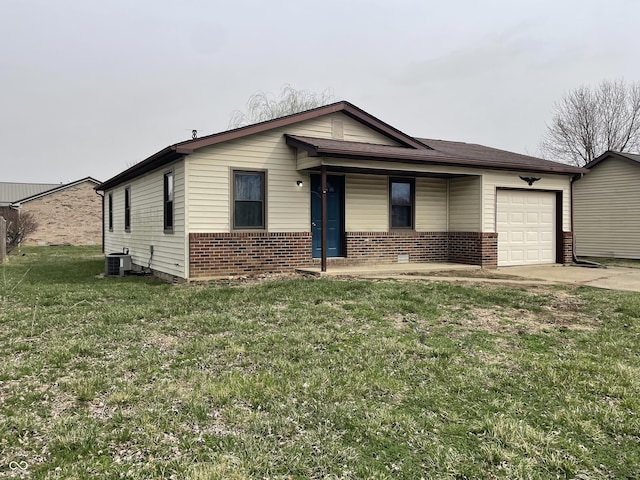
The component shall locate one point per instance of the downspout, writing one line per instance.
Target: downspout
(576, 260)
(102, 216)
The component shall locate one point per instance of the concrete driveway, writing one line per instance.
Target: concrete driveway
(612, 278)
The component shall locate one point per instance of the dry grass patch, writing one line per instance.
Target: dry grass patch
(291, 377)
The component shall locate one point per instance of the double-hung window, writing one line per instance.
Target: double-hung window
(127, 209)
(168, 202)
(249, 199)
(110, 206)
(402, 202)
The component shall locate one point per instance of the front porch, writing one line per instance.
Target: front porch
(418, 269)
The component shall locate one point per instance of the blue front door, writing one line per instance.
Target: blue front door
(335, 215)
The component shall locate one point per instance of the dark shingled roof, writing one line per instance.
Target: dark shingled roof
(441, 153)
(413, 150)
(495, 155)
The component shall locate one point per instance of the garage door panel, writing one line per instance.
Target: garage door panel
(548, 256)
(516, 255)
(516, 217)
(526, 227)
(547, 218)
(533, 256)
(533, 237)
(533, 217)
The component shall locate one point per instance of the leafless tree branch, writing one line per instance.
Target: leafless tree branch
(264, 106)
(587, 122)
(19, 226)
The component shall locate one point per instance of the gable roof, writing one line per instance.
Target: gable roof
(174, 152)
(633, 158)
(422, 150)
(55, 189)
(10, 192)
(441, 153)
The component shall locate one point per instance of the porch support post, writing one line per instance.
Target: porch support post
(323, 215)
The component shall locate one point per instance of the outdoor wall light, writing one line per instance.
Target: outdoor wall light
(299, 183)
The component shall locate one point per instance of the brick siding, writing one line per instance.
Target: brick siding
(70, 216)
(385, 247)
(567, 247)
(474, 248)
(222, 254)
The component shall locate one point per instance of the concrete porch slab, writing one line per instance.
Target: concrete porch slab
(393, 269)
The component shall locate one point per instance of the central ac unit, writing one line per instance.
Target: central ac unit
(117, 264)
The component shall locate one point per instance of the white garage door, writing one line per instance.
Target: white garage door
(526, 224)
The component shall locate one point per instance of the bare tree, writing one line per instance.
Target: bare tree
(19, 226)
(589, 121)
(264, 106)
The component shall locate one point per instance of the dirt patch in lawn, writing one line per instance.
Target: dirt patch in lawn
(561, 312)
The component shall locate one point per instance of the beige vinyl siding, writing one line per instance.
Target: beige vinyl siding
(209, 175)
(465, 204)
(489, 181)
(304, 161)
(431, 205)
(354, 131)
(210, 182)
(493, 180)
(366, 203)
(147, 222)
(607, 210)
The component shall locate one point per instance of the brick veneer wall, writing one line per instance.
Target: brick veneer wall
(384, 247)
(70, 216)
(567, 247)
(242, 253)
(474, 248)
(221, 254)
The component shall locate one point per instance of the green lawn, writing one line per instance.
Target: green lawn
(307, 378)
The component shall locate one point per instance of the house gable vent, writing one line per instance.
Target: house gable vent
(337, 129)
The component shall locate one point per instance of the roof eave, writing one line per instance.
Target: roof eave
(189, 146)
(611, 154)
(568, 170)
(157, 160)
(54, 190)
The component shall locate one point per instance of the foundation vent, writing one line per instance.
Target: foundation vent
(403, 258)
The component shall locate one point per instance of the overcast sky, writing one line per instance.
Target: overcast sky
(90, 87)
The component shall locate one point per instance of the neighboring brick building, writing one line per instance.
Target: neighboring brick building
(67, 214)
